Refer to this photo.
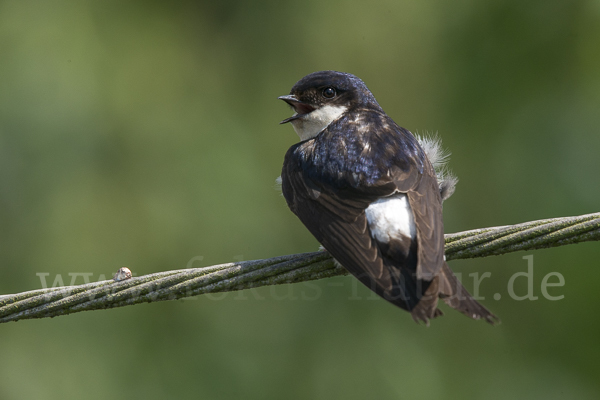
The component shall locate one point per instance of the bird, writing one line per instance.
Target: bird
(366, 189)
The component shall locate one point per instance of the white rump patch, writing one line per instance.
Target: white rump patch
(391, 218)
(309, 125)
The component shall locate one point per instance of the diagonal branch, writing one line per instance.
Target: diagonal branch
(172, 285)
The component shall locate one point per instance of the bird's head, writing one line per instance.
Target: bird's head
(322, 97)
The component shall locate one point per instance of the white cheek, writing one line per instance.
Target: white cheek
(391, 218)
(311, 124)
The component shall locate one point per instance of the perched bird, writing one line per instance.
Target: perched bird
(365, 188)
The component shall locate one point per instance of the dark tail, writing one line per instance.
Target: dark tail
(457, 297)
(425, 307)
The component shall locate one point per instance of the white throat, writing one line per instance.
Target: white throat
(314, 122)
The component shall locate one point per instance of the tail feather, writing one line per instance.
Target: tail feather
(456, 296)
(426, 308)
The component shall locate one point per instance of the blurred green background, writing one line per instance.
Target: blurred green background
(145, 133)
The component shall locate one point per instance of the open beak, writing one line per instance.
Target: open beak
(301, 108)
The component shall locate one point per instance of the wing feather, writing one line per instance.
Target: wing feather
(426, 204)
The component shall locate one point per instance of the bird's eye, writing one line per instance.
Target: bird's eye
(329, 92)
